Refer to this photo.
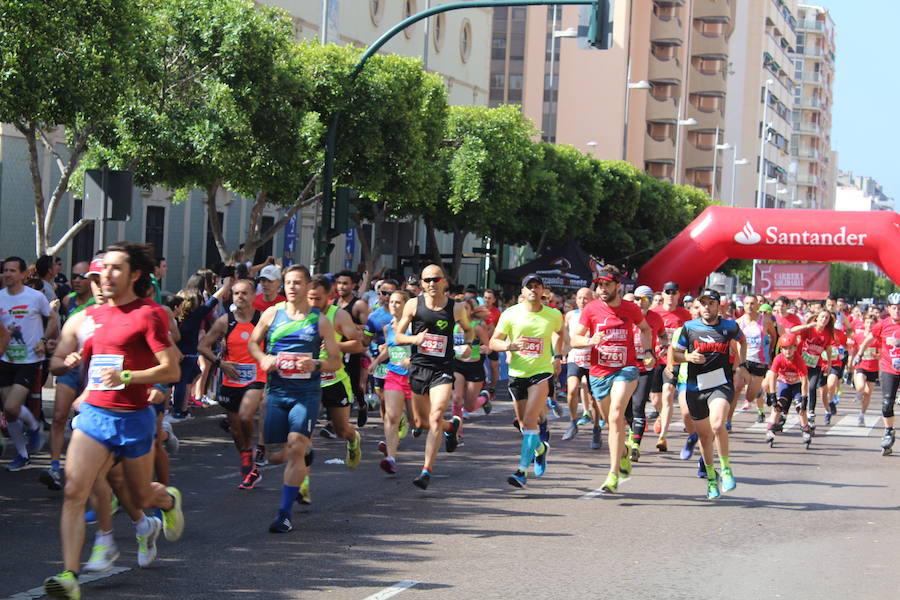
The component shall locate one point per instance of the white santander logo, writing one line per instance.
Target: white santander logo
(747, 235)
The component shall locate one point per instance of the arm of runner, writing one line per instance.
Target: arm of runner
(580, 340)
(361, 311)
(266, 362)
(66, 355)
(868, 341)
(353, 338)
(462, 318)
(215, 333)
(799, 328)
(741, 359)
(649, 357)
(670, 361)
(4, 339)
(409, 311)
(167, 371)
(326, 331)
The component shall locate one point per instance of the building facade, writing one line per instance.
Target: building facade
(860, 193)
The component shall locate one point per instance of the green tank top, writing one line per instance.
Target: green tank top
(341, 374)
(459, 339)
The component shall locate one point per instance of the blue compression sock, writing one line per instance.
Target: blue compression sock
(288, 496)
(545, 432)
(530, 442)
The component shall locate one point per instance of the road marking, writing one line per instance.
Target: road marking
(848, 427)
(792, 421)
(392, 591)
(593, 494)
(82, 579)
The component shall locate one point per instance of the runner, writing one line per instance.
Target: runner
(634, 413)
(785, 384)
(344, 283)
(816, 336)
(374, 332)
(293, 333)
(678, 371)
(27, 316)
(704, 344)
(130, 350)
(887, 331)
(242, 378)
(759, 332)
(270, 285)
(663, 385)
(432, 316)
(614, 371)
(491, 320)
(468, 366)
(784, 319)
(578, 363)
(837, 361)
(865, 367)
(525, 331)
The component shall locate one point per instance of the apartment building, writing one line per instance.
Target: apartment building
(860, 193)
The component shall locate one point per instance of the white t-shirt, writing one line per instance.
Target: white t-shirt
(21, 315)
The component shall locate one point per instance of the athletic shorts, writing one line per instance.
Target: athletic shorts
(295, 414)
(337, 395)
(757, 369)
(518, 386)
(602, 386)
(472, 371)
(839, 371)
(573, 370)
(19, 374)
(127, 434)
(698, 401)
(398, 383)
(659, 377)
(378, 382)
(230, 397)
(422, 379)
(493, 356)
(871, 376)
(72, 380)
(789, 391)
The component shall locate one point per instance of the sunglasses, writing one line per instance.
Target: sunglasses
(432, 279)
(386, 293)
(671, 292)
(78, 276)
(642, 298)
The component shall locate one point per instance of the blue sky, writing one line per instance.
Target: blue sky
(864, 123)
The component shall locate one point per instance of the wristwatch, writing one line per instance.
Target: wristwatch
(557, 357)
(125, 376)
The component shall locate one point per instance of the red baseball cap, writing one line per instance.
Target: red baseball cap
(96, 267)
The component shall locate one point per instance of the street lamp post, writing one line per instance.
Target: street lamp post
(717, 146)
(639, 85)
(678, 125)
(761, 195)
(554, 101)
(734, 165)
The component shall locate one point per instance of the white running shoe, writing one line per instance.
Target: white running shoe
(147, 543)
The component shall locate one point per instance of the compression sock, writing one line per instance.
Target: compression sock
(54, 464)
(17, 436)
(544, 431)
(289, 495)
(530, 442)
(726, 464)
(27, 418)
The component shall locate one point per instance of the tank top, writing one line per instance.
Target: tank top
(341, 374)
(291, 340)
(459, 340)
(437, 350)
(757, 340)
(396, 352)
(349, 308)
(237, 337)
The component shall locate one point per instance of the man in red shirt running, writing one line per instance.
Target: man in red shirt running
(888, 331)
(129, 351)
(673, 316)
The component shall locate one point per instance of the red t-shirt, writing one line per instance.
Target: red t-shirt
(672, 320)
(789, 371)
(493, 316)
(787, 321)
(840, 341)
(616, 351)
(656, 328)
(889, 333)
(814, 342)
(869, 361)
(125, 337)
(858, 325)
(260, 303)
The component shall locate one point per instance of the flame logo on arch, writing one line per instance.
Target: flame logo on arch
(747, 235)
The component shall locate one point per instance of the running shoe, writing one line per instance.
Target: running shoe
(688, 450)
(654, 414)
(601, 423)
(727, 425)
(362, 413)
(701, 468)
(540, 460)
(65, 585)
(251, 479)
(517, 479)
(861, 420)
(585, 419)
(416, 432)
(555, 407)
(662, 445)
(625, 468)
(52, 478)
(487, 407)
(728, 482)
(193, 402)
(745, 406)
(832, 407)
(103, 556)
(327, 432)
(635, 452)
(354, 452)
(760, 417)
(451, 438)
(712, 489)
(828, 418)
(35, 440)
(147, 543)
(403, 429)
(305, 496)
(281, 524)
(382, 447)
(596, 437)
(18, 463)
(309, 457)
(178, 417)
(171, 442)
(770, 437)
(173, 519)
(517, 426)
(371, 401)
(571, 432)
(466, 415)
(611, 485)
(657, 426)
(260, 459)
(388, 465)
(422, 480)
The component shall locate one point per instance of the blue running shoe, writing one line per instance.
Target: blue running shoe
(727, 425)
(688, 451)
(728, 482)
(18, 463)
(517, 479)
(701, 468)
(35, 440)
(540, 460)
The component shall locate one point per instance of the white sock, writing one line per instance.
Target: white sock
(104, 538)
(18, 437)
(26, 417)
(143, 526)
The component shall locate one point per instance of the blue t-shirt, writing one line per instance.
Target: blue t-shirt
(378, 318)
(714, 342)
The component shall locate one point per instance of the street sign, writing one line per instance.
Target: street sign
(115, 186)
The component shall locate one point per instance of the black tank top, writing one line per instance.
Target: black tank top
(349, 307)
(437, 350)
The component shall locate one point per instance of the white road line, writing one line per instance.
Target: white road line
(792, 421)
(590, 495)
(848, 427)
(392, 591)
(82, 579)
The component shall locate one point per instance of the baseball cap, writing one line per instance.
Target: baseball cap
(671, 285)
(711, 294)
(787, 339)
(531, 277)
(765, 308)
(270, 272)
(607, 275)
(413, 280)
(96, 267)
(644, 290)
(687, 299)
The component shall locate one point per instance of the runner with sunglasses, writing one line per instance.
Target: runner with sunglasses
(664, 379)
(432, 317)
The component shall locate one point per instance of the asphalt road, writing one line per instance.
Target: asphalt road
(818, 523)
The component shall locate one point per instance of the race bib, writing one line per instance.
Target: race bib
(581, 357)
(246, 373)
(289, 364)
(381, 371)
(810, 360)
(531, 347)
(895, 363)
(326, 377)
(611, 356)
(17, 353)
(870, 353)
(459, 339)
(398, 354)
(100, 362)
(434, 345)
(713, 379)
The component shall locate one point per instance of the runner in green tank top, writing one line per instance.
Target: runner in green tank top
(468, 368)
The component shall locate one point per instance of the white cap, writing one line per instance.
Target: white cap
(271, 272)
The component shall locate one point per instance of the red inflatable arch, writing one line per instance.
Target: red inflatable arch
(721, 232)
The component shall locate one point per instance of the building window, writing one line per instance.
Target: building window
(708, 65)
(709, 28)
(465, 40)
(376, 11)
(155, 229)
(83, 243)
(660, 131)
(440, 27)
(212, 253)
(702, 139)
(663, 91)
(663, 51)
(665, 12)
(265, 251)
(409, 9)
(707, 102)
(660, 170)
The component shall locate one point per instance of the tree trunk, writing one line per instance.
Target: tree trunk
(497, 258)
(215, 225)
(459, 238)
(432, 243)
(255, 236)
(37, 188)
(540, 246)
(372, 250)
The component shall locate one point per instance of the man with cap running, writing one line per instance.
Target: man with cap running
(634, 413)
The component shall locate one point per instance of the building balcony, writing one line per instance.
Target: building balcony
(809, 103)
(720, 9)
(659, 150)
(807, 180)
(701, 44)
(811, 78)
(812, 52)
(810, 25)
(807, 128)
(669, 70)
(811, 153)
(700, 82)
(661, 110)
(670, 30)
(695, 158)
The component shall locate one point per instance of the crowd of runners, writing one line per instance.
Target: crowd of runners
(283, 352)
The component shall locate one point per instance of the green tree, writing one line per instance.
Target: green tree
(64, 67)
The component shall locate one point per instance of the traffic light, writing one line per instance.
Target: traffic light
(343, 199)
(600, 29)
